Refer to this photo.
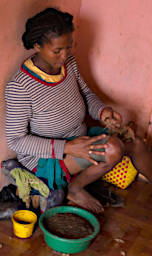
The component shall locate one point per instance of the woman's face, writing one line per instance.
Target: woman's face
(53, 55)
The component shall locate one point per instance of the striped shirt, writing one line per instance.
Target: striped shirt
(38, 113)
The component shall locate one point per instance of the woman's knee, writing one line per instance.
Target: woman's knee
(114, 151)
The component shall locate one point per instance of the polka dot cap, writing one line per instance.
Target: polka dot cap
(123, 174)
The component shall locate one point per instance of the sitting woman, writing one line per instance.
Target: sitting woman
(47, 101)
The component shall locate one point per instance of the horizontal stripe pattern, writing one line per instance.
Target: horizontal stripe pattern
(37, 113)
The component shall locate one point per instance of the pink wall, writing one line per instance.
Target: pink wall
(114, 52)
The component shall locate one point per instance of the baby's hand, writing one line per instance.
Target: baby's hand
(110, 118)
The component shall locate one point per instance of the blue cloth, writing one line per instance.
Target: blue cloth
(50, 169)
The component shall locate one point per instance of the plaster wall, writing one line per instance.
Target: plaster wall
(114, 51)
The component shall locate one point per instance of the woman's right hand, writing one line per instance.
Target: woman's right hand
(83, 146)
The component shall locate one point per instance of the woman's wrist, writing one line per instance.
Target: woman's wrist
(106, 108)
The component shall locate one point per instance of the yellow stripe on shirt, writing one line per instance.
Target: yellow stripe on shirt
(46, 77)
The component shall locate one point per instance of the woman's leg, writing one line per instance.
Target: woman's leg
(76, 192)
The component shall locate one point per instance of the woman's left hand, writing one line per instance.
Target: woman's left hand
(111, 118)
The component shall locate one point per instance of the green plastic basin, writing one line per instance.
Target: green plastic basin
(65, 245)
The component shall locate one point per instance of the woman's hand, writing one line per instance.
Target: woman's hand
(82, 147)
(111, 118)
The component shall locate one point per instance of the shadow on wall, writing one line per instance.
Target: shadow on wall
(85, 51)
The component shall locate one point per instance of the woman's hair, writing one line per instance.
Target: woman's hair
(46, 25)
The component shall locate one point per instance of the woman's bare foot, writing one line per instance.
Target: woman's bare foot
(85, 200)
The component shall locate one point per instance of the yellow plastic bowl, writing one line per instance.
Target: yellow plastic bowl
(23, 223)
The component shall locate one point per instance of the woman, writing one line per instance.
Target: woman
(47, 101)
